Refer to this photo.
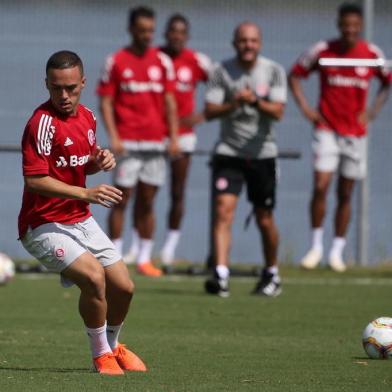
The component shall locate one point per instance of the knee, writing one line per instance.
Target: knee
(224, 215)
(320, 190)
(122, 205)
(265, 222)
(145, 206)
(94, 283)
(344, 196)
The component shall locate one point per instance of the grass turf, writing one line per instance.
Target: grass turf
(308, 339)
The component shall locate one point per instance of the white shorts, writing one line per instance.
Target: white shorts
(333, 152)
(57, 245)
(187, 143)
(148, 167)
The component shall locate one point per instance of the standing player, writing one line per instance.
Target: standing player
(55, 223)
(248, 92)
(191, 68)
(340, 125)
(138, 106)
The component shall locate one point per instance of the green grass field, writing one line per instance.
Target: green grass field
(308, 339)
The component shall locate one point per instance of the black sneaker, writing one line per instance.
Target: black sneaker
(269, 285)
(217, 286)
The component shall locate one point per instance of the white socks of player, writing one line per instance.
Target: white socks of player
(317, 239)
(222, 271)
(170, 246)
(98, 341)
(131, 256)
(112, 334)
(145, 251)
(336, 254)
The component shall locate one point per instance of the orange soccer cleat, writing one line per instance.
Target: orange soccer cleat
(148, 269)
(128, 360)
(107, 364)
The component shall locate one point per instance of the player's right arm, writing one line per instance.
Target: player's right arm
(216, 104)
(105, 195)
(301, 69)
(106, 90)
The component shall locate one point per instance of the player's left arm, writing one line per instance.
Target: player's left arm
(101, 159)
(274, 103)
(381, 97)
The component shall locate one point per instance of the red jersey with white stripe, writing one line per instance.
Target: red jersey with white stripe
(57, 146)
(137, 85)
(343, 90)
(190, 68)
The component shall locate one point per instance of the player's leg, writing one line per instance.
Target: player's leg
(352, 168)
(119, 292)
(227, 181)
(131, 255)
(124, 178)
(151, 177)
(179, 170)
(326, 160)
(261, 179)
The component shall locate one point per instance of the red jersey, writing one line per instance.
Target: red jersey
(190, 68)
(57, 146)
(137, 85)
(343, 90)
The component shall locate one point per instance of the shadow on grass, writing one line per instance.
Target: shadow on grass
(170, 291)
(47, 369)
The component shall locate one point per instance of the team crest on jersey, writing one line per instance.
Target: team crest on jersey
(184, 74)
(221, 184)
(127, 73)
(91, 137)
(361, 71)
(262, 90)
(154, 73)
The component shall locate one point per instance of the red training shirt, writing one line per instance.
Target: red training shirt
(137, 85)
(58, 146)
(343, 90)
(190, 68)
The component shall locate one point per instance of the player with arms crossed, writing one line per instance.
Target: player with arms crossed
(138, 107)
(55, 224)
(248, 93)
(340, 123)
(191, 68)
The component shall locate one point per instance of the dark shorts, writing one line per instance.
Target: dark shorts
(230, 173)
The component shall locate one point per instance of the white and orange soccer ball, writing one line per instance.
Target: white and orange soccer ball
(7, 269)
(377, 338)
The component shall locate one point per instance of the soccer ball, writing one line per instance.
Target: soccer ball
(7, 269)
(377, 338)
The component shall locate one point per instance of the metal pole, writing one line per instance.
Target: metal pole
(363, 197)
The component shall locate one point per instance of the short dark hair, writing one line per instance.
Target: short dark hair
(177, 18)
(350, 8)
(64, 59)
(139, 12)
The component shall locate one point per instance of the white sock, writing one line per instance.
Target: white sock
(337, 248)
(112, 333)
(274, 270)
(134, 249)
(222, 271)
(118, 244)
(145, 251)
(98, 341)
(317, 239)
(169, 248)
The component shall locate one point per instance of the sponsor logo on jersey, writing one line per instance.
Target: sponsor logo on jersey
(184, 74)
(154, 73)
(345, 81)
(74, 161)
(127, 73)
(91, 137)
(61, 162)
(68, 142)
(141, 87)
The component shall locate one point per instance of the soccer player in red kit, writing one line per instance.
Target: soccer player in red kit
(138, 108)
(340, 122)
(55, 223)
(191, 68)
